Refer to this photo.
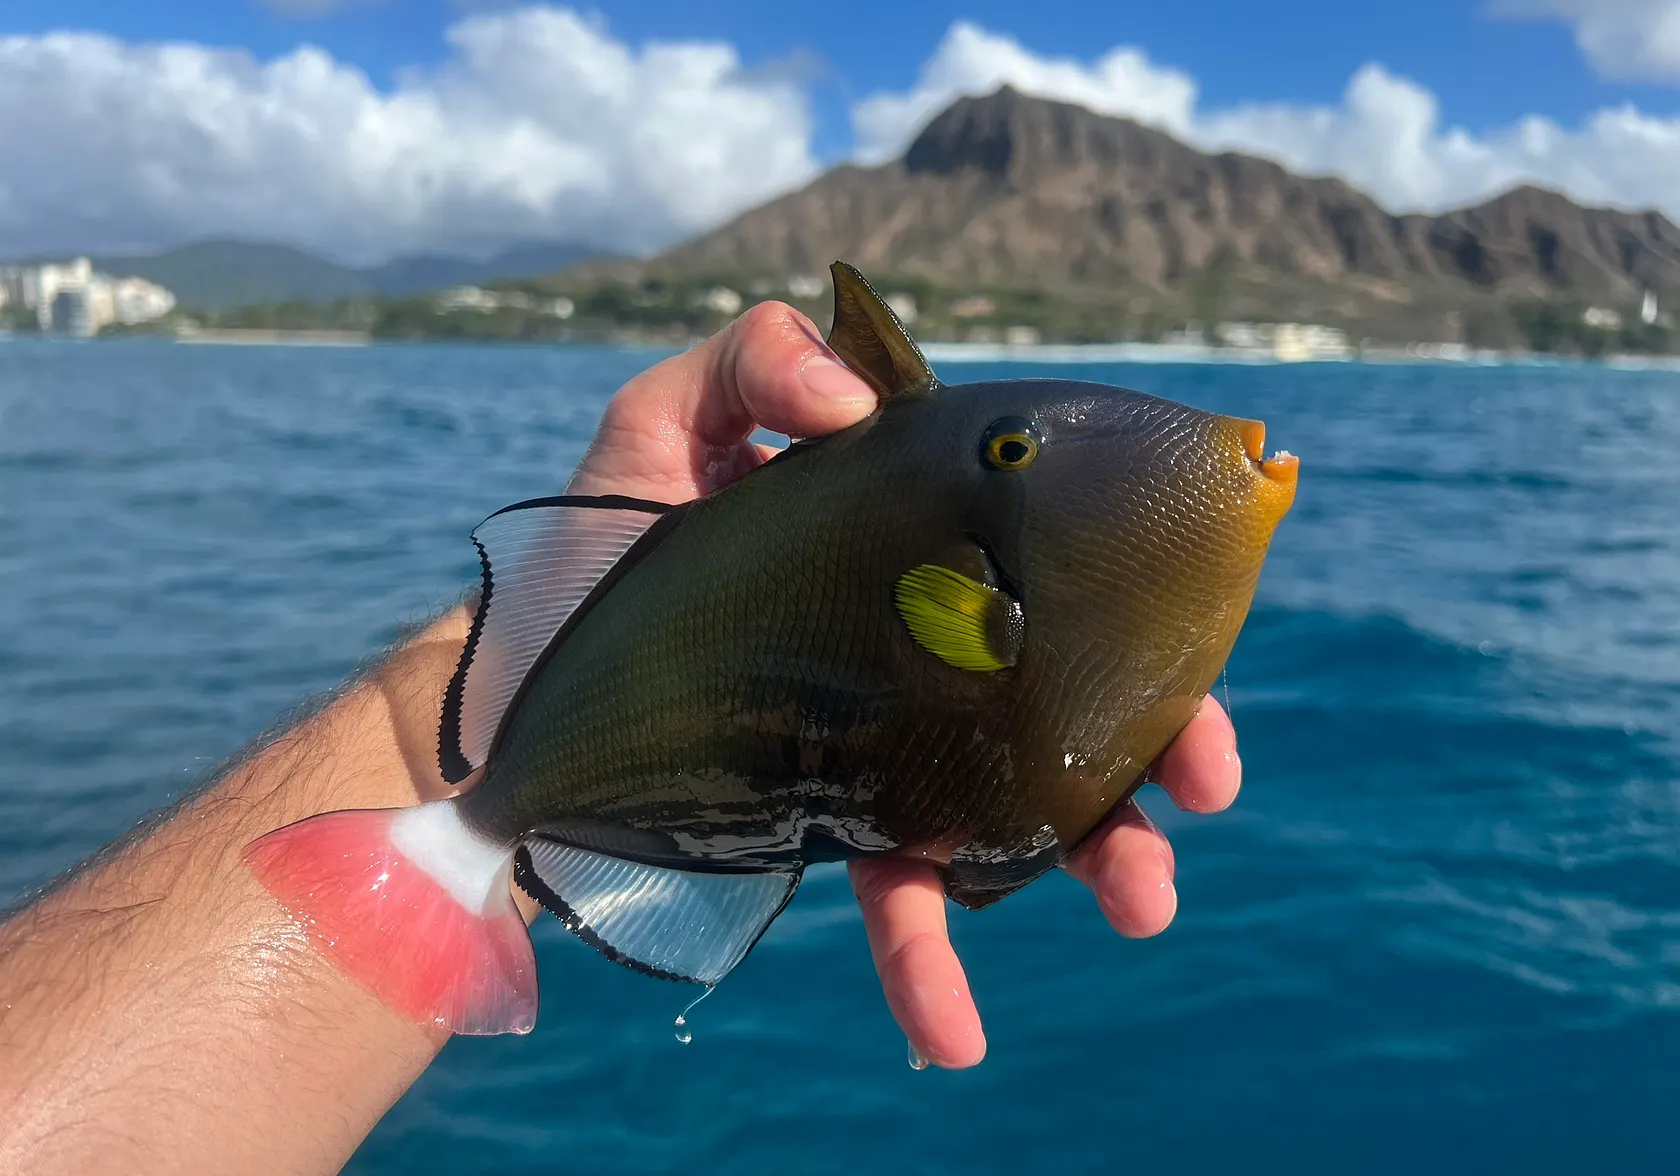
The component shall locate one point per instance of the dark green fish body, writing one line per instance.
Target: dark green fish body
(746, 692)
(960, 630)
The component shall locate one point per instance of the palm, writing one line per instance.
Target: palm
(681, 430)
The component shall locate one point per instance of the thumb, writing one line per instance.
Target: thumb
(676, 426)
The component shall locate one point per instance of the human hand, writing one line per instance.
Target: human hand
(682, 429)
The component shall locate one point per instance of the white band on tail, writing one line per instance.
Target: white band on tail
(468, 866)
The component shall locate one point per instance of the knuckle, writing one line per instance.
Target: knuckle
(740, 347)
(871, 884)
(763, 318)
(902, 953)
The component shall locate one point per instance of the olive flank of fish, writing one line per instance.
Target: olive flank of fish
(959, 630)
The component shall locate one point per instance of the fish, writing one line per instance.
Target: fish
(960, 630)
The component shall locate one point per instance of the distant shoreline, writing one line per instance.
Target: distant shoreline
(1043, 354)
(260, 337)
(1072, 354)
(1147, 353)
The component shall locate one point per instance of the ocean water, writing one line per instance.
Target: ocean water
(1440, 928)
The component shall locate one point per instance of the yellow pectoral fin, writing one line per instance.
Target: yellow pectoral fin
(962, 622)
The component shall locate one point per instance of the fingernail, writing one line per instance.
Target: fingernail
(1168, 865)
(833, 380)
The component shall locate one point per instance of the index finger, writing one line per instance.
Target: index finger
(1201, 771)
(904, 913)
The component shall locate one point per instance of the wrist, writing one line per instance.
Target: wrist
(374, 746)
(185, 943)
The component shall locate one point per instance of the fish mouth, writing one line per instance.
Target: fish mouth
(1282, 467)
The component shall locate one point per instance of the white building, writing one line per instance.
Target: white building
(1287, 342)
(1305, 342)
(484, 301)
(806, 286)
(467, 298)
(720, 300)
(75, 299)
(1248, 336)
(135, 300)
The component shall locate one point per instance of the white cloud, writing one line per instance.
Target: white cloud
(538, 125)
(1385, 136)
(971, 60)
(1630, 40)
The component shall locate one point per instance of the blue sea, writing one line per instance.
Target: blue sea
(1440, 930)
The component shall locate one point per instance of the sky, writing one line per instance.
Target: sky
(364, 129)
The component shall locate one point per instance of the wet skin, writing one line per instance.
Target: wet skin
(681, 430)
(809, 724)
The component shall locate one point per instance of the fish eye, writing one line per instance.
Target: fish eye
(1010, 444)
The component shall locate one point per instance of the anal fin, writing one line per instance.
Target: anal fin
(686, 925)
(977, 877)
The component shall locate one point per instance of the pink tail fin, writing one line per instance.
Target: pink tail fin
(414, 908)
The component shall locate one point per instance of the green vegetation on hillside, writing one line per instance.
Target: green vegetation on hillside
(674, 310)
(1561, 328)
(213, 276)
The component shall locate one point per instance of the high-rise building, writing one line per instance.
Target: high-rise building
(75, 299)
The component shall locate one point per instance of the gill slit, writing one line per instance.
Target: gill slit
(1005, 580)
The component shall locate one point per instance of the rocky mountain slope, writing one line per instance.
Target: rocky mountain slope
(1009, 190)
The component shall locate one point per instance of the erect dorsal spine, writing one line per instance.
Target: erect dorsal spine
(869, 337)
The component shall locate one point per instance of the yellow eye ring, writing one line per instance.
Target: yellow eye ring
(1011, 444)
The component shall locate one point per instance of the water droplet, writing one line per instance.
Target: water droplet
(917, 1061)
(684, 1033)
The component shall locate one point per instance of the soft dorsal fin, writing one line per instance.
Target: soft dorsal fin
(869, 337)
(541, 559)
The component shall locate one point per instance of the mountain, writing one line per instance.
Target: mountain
(1009, 190)
(421, 273)
(218, 275)
(1124, 225)
(1534, 241)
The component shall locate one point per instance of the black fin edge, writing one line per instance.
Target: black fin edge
(525, 873)
(452, 760)
(586, 501)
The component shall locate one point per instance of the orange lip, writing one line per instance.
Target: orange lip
(1253, 434)
(1281, 467)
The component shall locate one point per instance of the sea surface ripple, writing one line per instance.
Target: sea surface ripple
(1441, 927)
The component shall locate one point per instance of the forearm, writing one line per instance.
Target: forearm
(164, 986)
